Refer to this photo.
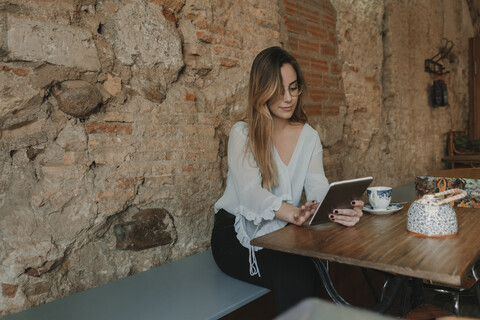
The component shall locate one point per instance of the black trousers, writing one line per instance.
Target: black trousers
(291, 277)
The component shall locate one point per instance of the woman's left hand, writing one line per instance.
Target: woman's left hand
(348, 217)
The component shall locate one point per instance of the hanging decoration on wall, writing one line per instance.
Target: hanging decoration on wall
(434, 66)
(439, 93)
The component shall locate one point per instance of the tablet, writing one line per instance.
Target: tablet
(339, 196)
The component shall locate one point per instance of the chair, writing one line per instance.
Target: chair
(454, 155)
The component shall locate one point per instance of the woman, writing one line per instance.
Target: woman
(273, 155)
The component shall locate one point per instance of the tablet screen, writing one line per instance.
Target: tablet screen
(339, 196)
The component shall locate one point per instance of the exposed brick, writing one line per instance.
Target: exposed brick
(40, 288)
(169, 15)
(328, 21)
(313, 110)
(165, 168)
(332, 38)
(335, 68)
(202, 155)
(228, 63)
(229, 42)
(147, 144)
(331, 82)
(21, 72)
(207, 120)
(9, 290)
(109, 127)
(331, 111)
(293, 43)
(319, 95)
(202, 24)
(309, 13)
(336, 97)
(218, 50)
(290, 7)
(204, 37)
(5, 69)
(371, 80)
(328, 50)
(189, 96)
(319, 65)
(314, 78)
(302, 59)
(194, 144)
(317, 32)
(353, 68)
(194, 131)
(309, 46)
(296, 26)
(360, 110)
(328, 8)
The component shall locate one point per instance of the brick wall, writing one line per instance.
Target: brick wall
(312, 40)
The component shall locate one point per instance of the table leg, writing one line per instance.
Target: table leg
(417, 292)
(390, 288)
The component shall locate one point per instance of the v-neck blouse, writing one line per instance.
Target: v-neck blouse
(254, 206)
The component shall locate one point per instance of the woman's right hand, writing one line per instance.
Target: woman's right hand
(295, 215)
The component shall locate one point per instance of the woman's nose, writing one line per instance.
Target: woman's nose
(287, 96)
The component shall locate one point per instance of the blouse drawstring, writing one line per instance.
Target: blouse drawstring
(254, 270)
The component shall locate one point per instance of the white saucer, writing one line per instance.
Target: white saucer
(393, 207)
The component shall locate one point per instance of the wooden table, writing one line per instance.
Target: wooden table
(383, 243)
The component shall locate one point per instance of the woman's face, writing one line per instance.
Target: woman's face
(283, 107)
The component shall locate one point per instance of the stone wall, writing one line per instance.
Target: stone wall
(393, 132)
(114, 119)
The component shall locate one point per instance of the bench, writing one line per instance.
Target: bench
(190, 288)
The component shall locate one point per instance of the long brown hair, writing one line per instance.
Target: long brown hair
(266, 84)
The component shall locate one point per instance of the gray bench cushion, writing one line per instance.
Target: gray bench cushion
(191, 288)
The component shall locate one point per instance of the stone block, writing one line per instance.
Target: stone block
(77, 98)
(113, 85)
(9, 290)
(149, 228)
(69, 46)
(140, 35)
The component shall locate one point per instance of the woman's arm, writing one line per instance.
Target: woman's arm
(316, 186)
(255, 203)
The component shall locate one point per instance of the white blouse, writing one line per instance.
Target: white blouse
(254, 206)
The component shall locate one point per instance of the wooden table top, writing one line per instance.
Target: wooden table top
(382, 242)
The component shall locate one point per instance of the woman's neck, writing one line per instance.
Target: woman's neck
(281, 124)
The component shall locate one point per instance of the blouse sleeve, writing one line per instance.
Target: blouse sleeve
(316, 184)
(255, 202)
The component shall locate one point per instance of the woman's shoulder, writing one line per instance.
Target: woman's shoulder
(240, 127)
(309, 130)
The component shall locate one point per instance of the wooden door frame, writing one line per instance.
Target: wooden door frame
(474, 87)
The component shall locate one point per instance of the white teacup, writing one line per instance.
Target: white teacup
(379, 197)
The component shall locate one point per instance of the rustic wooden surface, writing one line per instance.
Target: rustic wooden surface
(466, 173)
(382, 242)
